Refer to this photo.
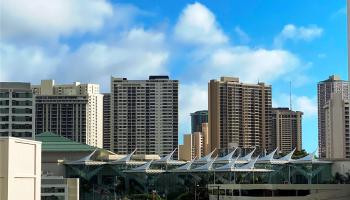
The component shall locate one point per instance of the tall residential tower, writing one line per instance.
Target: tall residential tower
(325, 89)
(286, 129)
(239, 114)
(70, 110)
(17, 110)
(144, 115)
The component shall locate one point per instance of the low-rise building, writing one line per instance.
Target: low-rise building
(20, 169)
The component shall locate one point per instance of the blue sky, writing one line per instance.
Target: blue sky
(273, 41)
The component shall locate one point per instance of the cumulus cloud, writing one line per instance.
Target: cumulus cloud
(197, 25)
(41, 19)
(251, 65)
(292, 32)
(193, 97)
(305, 104)
(134, 54)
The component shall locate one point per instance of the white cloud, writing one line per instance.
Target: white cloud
(251, 65)
(243, 36)
(197, 25)
(292, 32)
(305, 104)
(42, 19)
(193, 97)
(135, 54)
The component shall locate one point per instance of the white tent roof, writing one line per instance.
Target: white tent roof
(228, 167)
(125, 159)
(185, 167)
(206, 158)
(247, 157)
(207, 167)
(268, 157)
(227, 158)
(84, 160)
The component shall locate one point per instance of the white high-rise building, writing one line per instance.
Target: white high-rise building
(325, 89)
(73, 110)
(17, 110)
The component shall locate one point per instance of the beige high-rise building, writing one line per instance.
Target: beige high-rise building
(144, 115)
(206, 139)
(286, 129)
(337, 125)
(239, 114)
(186, 149)
(74, 111)
(196, 145)
(325, 89)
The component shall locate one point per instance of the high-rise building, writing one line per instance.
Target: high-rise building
(106, 120)
(206, 139)
(74, 111)
(17, 110)
(144, 115)
(286, 129)
(197, 119)
(186, 149)
(337, 125)
(325, 89)
(195, 145)
(239, 114)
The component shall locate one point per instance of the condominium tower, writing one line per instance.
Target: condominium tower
(17, 110)
(239, 114)
(107, 120)
(70, 110)
(286, 129)
(144, 115)
(325, 89)
(197, 118)
(337, 125)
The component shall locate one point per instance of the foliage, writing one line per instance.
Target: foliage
(299, 154)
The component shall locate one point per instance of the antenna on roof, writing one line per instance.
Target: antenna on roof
(290, 95)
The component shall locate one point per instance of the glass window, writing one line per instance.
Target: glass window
(22, 95)
(4, 102)
(4, 94)
(4, 110)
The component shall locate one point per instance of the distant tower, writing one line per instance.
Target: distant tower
(348, 21)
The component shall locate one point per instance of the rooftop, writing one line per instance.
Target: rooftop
(52, 142)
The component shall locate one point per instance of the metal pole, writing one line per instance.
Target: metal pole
(218, 192)
(195, 190)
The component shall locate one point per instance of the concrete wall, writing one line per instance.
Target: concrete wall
(20, 169)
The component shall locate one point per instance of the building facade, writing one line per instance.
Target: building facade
(286, 129)
(20, 169)
(197, 119)
(325, 89)
(239, 114)
(106, 120)
(337, 125)
(74, 111)
(17, 110)
(195, 145)
(144, 115)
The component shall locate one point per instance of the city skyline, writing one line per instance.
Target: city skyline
(301, 46)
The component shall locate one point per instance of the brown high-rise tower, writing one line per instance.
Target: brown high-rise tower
(239, 114)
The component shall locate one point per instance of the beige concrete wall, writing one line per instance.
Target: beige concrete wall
(185, 150)
(20, 169)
